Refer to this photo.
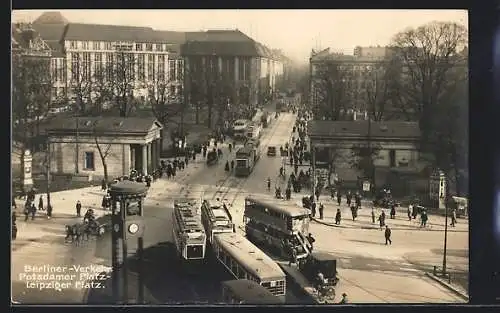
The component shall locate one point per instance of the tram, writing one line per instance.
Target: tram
(243, 291)
(243, 260)
(216, 219)
(246, 157)
(188, 233)
(269, 225)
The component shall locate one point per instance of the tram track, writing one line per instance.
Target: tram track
(262, 148)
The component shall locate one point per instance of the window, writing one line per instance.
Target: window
(241, 69)
(85, 45)
(149, 47)
(171, 70)
(392, 158)
(86, 66)
(89, 161)
(161, 67)
(97, 64)
(141, 71)
(109, 66)
(159, 47)
(151, 67)
(108, 46)
(73, 45)
(138, 47)
(75, 67)
(172, 90)
(179, 69)
(60, 65)
(96, 45)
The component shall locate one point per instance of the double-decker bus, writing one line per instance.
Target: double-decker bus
(188, 233)
(269, 225)
(243, 260)
(216, 219)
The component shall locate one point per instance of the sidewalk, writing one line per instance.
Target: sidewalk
(401, 222)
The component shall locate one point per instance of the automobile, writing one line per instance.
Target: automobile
(324, 263)
(271, 151)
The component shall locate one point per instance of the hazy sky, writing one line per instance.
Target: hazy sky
(296, 32)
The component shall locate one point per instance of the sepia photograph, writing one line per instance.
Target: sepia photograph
(229, 157)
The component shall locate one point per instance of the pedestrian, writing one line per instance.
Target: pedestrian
(26, 211)
(232, 165)
(423, 219)
(78, 208)
(381, 220)
(373, 215)
(339, 198)
(186, 160)
(453, 218)
(40, 203)
(338, 217)
(349, 198)
(344, 299)
(353, 211)
(393, 211)
(33, 211)
(311, 241)
(14, 202)
(387, 235)
(49, 211)
(313, 209)
(318, 192)
(410, 211)
(14, 225)
(293, 256)
(321, 208)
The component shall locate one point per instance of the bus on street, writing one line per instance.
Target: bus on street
(243, 260)
(269, 225)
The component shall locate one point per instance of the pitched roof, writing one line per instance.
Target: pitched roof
(50, 31)
(224, 42)
(343, 129)
(97, 32)
(102, 125)
(51, 18)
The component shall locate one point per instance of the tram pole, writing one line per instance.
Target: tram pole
(140, 252)
(124, 267)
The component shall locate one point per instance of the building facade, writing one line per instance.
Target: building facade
(80, 51)
(77, 145)
(358, 77)
(248, 69)
(334, 143)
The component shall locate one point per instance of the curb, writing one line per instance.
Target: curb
(394, 228)
(448, 286)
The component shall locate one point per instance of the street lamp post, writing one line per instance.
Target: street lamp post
(445, 238)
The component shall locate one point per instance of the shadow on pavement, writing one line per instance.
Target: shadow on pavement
(366, 241)
(167, 279)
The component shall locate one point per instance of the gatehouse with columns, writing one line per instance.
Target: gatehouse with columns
(84, 146)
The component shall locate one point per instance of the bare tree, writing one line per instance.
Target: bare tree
(427, 53)
(80, 81)
(380, 88)
(31, 86)
(330, 83)
(123, 81)
(363, 157)
(103, 149)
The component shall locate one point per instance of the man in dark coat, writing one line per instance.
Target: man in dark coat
(321, 208)
(338, 217)
(78, 208)
(387, 235)
(339, 198)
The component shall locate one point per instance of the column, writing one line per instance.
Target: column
(236, 68)
(149, 158)
(158, 150)
(154, 164)
(144, 159)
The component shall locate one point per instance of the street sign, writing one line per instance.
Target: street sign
(366, 186)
